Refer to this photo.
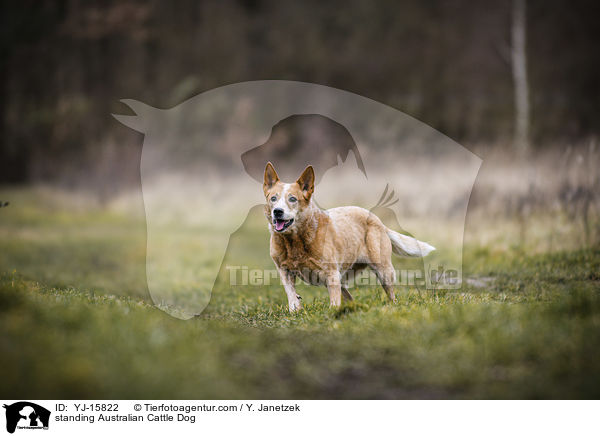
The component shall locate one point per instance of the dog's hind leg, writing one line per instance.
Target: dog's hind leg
(379, 248)
(346, 295)
(387, 276)
(344, 284)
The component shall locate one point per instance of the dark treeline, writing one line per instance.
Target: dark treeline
(65, 65)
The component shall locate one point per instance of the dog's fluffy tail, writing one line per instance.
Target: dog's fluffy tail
(407, 246)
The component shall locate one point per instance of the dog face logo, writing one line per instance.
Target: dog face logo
(26, 415)
(202, 171)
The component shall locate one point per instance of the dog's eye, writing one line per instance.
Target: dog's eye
(274, 198)
(293, 199)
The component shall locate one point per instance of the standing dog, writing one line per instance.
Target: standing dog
(324, 246)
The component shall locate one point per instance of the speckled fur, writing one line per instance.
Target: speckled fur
(323, 246)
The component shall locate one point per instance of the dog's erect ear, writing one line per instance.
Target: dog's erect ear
(307, 182)
(270, 178)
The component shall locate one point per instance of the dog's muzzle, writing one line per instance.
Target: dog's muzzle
(280, 224)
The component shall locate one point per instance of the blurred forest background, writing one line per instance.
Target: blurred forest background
(451, 64)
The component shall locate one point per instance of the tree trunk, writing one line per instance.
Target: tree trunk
(519, 71)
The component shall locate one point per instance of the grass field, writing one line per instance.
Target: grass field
(76, 322)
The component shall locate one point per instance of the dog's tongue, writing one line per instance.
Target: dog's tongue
(279, 224)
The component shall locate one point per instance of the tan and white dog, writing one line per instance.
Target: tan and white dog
(323, 246)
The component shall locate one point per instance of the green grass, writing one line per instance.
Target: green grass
(75, 322)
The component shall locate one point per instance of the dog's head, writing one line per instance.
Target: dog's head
(286, 201)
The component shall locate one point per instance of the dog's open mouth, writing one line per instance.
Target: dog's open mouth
(281, 225)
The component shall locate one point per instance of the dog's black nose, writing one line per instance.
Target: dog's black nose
(277, 213)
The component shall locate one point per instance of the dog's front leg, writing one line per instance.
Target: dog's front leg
(334, 286)
(288, 280)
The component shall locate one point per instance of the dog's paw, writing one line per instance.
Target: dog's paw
(295, 306)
